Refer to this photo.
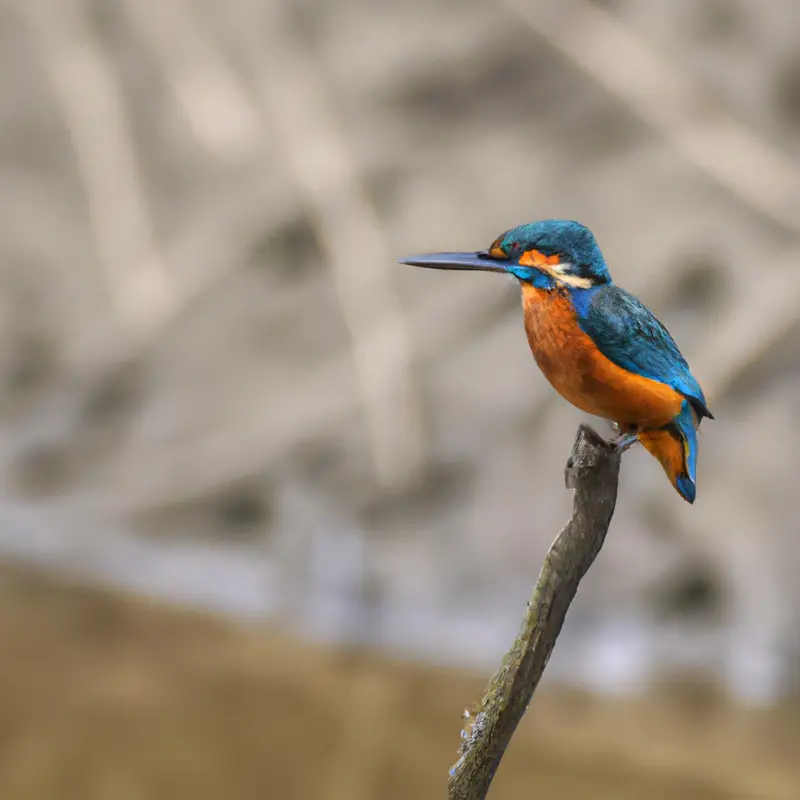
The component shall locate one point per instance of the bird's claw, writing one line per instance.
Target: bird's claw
(624, 441)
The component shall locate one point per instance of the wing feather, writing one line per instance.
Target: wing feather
(628, 334)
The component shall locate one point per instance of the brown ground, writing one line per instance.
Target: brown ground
(107, 697)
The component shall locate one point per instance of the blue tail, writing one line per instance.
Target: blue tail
(686, 426)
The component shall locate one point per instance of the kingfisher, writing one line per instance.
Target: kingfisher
(602, 349)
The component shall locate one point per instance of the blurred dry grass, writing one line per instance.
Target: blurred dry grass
(103, 696)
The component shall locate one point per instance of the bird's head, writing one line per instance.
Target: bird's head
(546, 253)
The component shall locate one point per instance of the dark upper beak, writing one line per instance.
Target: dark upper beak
(474, 261)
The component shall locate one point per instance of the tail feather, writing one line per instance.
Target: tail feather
(675, 447)
(686, 422)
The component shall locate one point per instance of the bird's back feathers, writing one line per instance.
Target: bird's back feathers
(628, 334)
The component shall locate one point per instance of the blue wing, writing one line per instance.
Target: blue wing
(628, 334)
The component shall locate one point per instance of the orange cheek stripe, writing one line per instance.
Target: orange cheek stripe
(535, 258)
(497, 252)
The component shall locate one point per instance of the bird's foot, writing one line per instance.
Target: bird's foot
(624, 441)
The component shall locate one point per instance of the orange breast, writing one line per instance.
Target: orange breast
(582, 374)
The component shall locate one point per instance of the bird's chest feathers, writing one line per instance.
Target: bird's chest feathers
(558, 344)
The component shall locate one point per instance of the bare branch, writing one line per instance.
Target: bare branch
(214, 100)
(592, 471)
(660, 93)
(309, 407)
(313, 147)
(86, 87)
(749, 329)
(213, 246)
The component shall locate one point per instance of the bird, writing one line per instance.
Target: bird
(599, 347)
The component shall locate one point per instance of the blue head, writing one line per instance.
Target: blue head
(546, 253)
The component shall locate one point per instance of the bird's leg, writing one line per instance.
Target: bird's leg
(624, 439)
(622, 443)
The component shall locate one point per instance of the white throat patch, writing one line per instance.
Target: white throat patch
(562, 275)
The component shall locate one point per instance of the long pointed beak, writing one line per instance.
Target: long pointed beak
(472, 261)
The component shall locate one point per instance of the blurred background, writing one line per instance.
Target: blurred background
(272, 504)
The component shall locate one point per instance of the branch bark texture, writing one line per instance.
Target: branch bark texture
(593, 472)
